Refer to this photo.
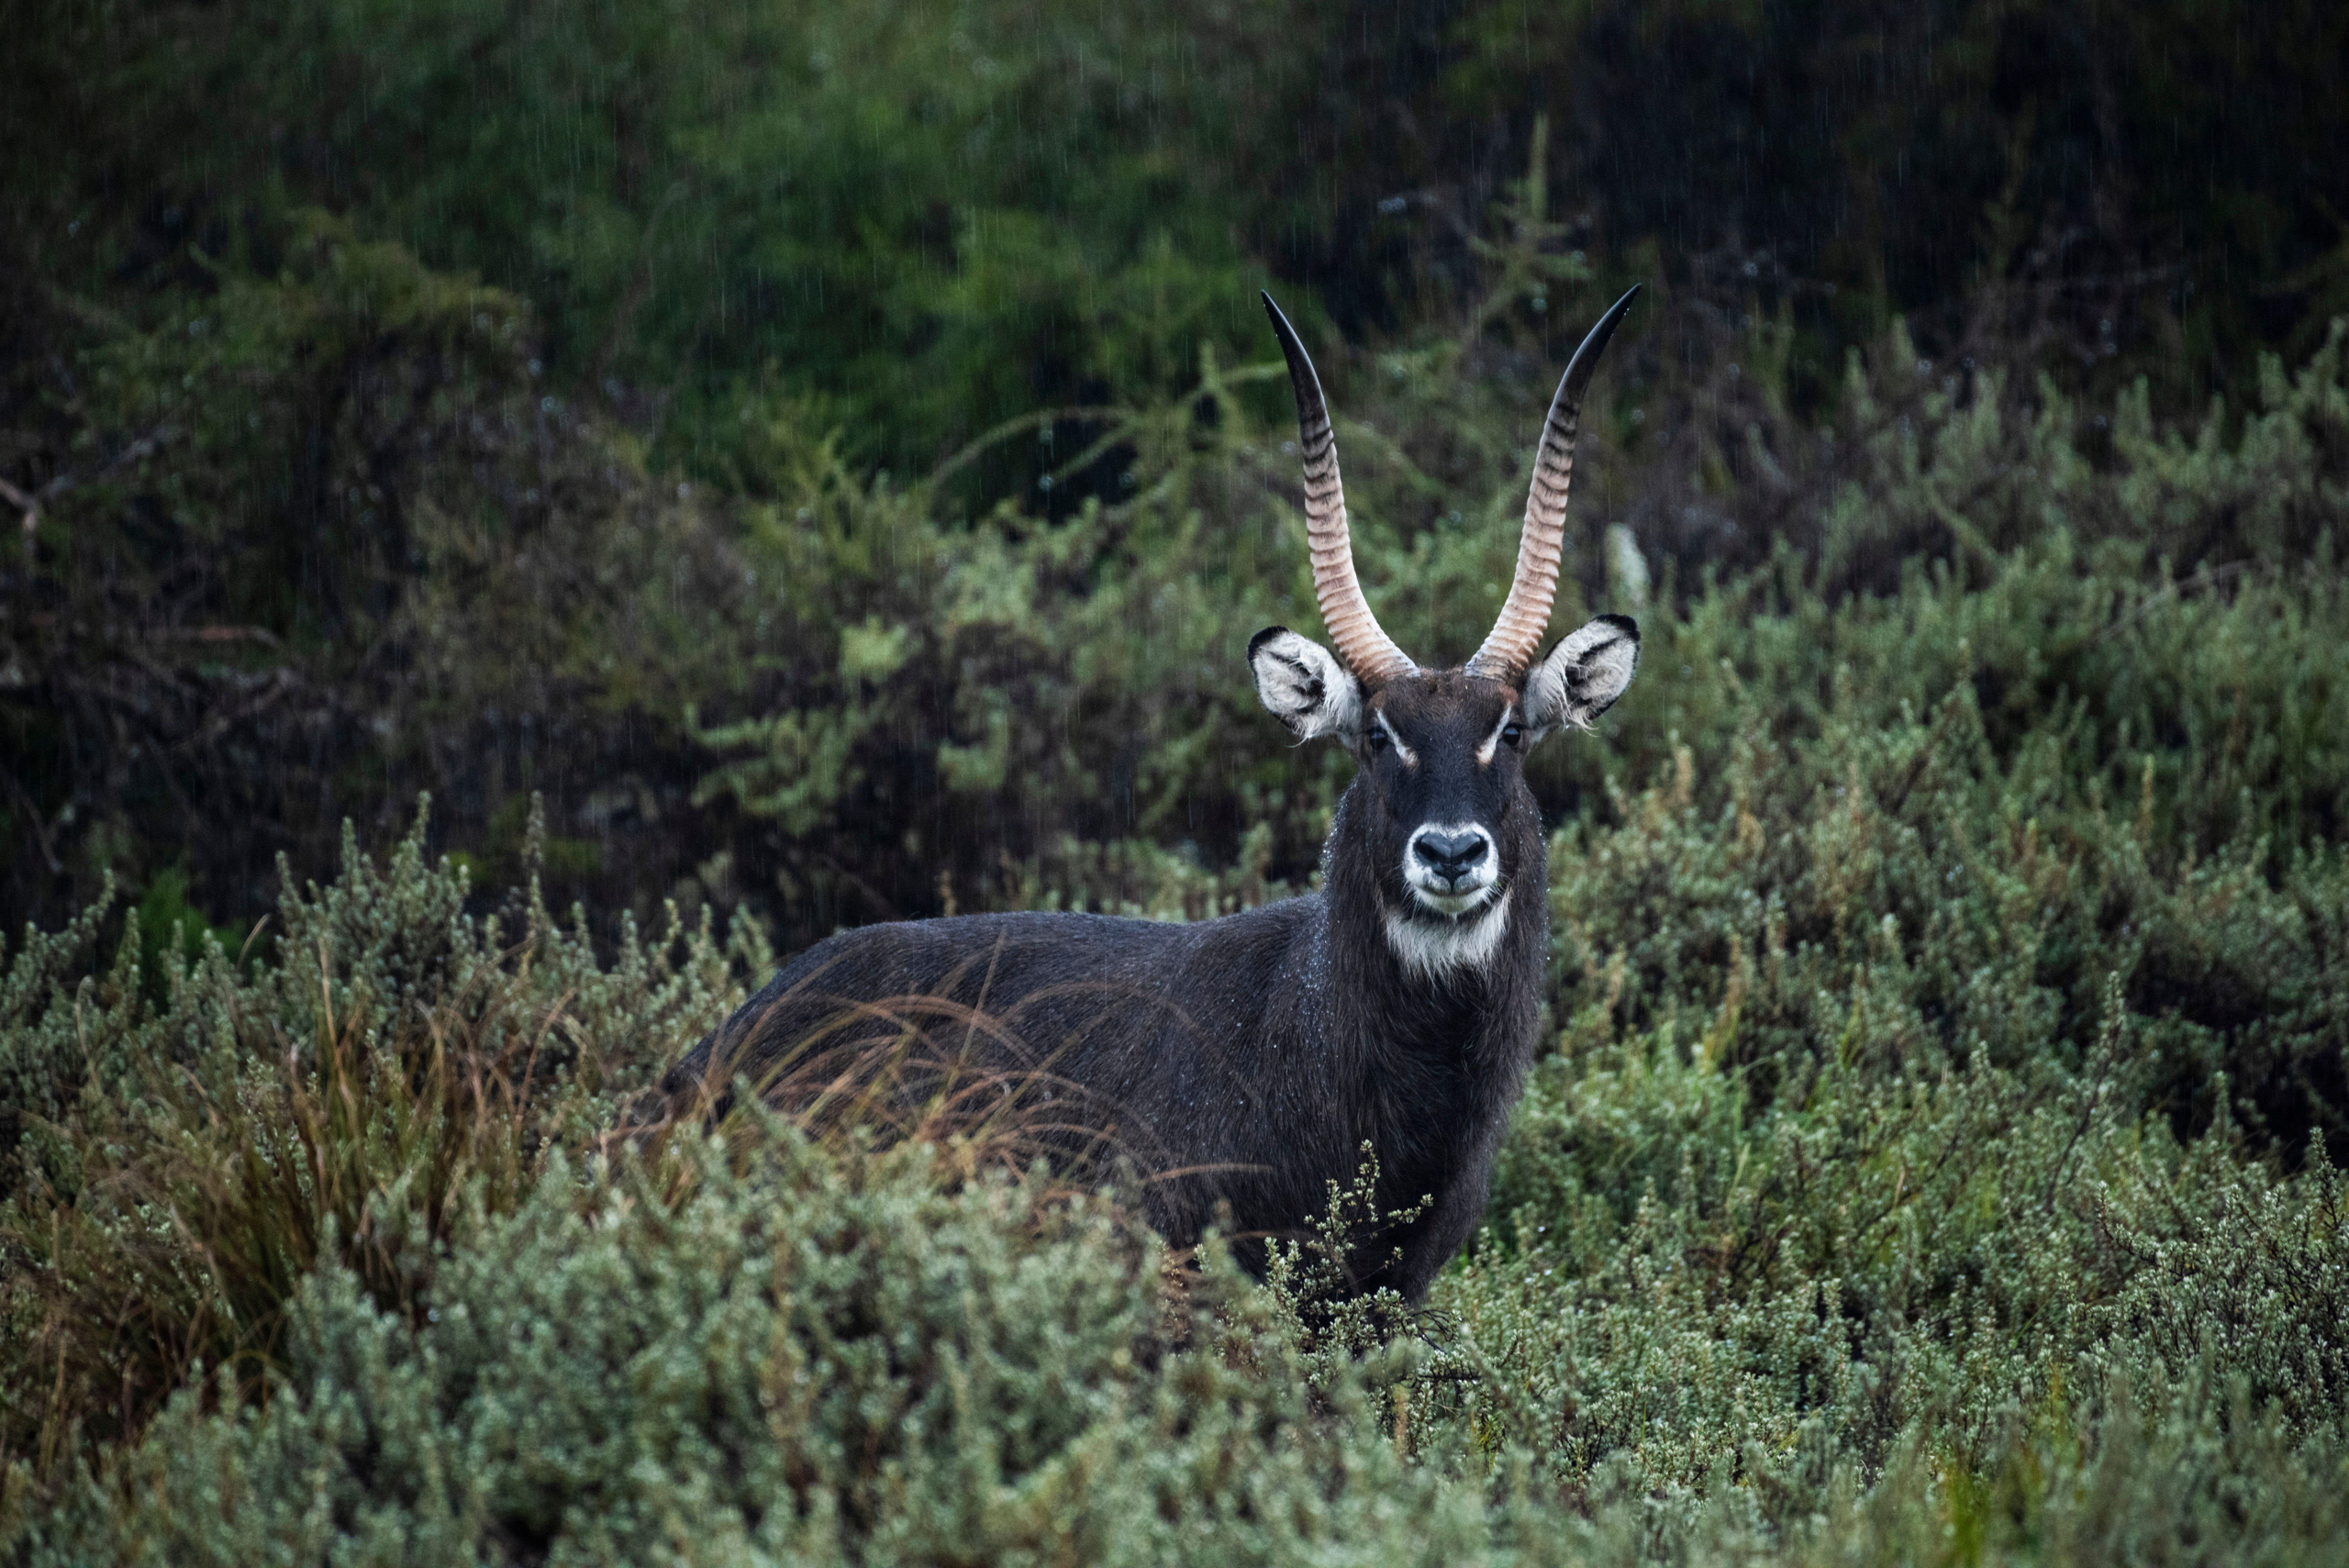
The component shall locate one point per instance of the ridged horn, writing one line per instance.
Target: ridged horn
(1516, 636)
(1369, 653)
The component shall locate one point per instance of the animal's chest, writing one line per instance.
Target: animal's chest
(1420, 1116)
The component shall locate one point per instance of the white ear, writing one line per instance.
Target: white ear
(1304, 685)
(1584, 675)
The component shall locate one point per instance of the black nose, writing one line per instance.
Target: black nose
(1450, 855)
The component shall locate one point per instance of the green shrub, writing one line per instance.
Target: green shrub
(173, 1172)
(339, 1258)
(1939, 1158)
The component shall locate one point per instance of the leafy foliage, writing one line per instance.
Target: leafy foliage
(335, 1259)
(1938, 1153)
(791, 465)
(356, 356)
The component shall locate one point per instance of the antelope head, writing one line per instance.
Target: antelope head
(1444, 812)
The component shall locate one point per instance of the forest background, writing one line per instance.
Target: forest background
(766, 467)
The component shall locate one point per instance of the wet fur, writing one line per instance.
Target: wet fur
(1256, 1052)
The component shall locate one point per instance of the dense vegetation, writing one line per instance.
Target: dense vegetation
(767, 467)
(1937, 1158)
(451, 395)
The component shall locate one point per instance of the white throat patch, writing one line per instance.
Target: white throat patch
(1431, 949)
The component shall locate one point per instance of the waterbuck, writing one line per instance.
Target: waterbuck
(1247, 1059)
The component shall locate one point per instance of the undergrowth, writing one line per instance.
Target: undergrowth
(1934, 1154)
(1861, 1245)
(1935, 1150)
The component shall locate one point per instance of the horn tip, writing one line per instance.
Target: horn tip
(1585, 363)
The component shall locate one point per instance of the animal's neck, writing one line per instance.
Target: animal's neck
(1425, 1064)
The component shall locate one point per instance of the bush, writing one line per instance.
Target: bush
(339, 1258)
(824, 467)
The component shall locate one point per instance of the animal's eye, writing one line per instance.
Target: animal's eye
(1513, 733)
(1378, 738)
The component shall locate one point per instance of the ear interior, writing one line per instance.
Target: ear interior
(1591, 667)
(1303, 684)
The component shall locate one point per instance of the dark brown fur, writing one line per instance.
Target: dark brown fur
(1244, 1060)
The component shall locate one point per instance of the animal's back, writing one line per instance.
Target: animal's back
(1147, 1021)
